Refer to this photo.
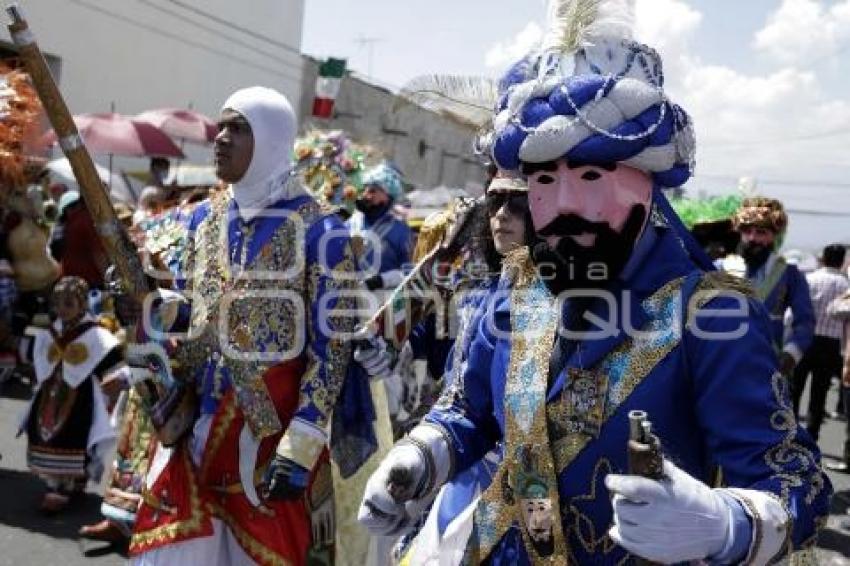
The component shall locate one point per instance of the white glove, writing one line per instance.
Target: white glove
(673, 520)
(397, 480)
(372, 354)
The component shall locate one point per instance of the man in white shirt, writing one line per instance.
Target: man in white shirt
(823, 358)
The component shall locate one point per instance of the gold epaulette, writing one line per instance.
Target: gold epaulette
(714, 284)
(722, 281)
(518, 267)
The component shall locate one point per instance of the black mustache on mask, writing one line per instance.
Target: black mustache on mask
(573, 266)
(573, 225)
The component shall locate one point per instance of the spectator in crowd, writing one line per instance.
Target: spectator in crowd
(387, 239)
(823, 358)
(75, 243)
(839, 309)
(780, 286)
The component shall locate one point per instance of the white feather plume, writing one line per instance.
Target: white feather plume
(469, 99)
(573, 24)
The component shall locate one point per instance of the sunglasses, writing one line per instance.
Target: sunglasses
(517, 203)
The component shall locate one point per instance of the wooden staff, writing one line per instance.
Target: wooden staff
(121, 251)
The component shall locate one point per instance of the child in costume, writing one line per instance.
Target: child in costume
(67, 423)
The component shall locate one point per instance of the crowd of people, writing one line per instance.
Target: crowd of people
(557, 372)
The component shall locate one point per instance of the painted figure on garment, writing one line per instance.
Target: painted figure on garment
(617, 309)
(386, 240)
(761, 223)
(265, 354)
(67, 423)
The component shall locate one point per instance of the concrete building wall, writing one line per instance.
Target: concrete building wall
(135, 55)
(430, 149)
(143, 54)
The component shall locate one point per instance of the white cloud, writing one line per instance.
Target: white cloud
(503, 54)
(667, 25)
(800, 31)
(768, 125)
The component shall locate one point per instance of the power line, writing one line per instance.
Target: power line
(231, 25)
(817, 212)
(216, 32)
(785, 139)
(793, 183)
(175, 37)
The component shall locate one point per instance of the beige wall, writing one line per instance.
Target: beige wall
(143, 54)
(431, 150)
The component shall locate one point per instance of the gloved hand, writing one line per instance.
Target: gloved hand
(401, 477)
(285, 479)
(371, 353)
(673, 520)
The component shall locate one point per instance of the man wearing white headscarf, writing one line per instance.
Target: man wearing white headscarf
(267, 271)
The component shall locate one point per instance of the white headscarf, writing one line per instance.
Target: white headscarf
(273, 125)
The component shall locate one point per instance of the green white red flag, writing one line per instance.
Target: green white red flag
(327, 87)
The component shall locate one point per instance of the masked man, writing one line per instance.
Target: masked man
(387, 240)
(266, 271)
(616, 310)
(762, 222)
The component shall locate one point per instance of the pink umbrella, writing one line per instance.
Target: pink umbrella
(115, 134)
(182, 124)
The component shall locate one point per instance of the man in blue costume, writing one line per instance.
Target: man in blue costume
(616, 310)
(387, 240)
(780, 286)
(268, 273)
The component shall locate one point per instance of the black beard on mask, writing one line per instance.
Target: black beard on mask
(573, 266)
(755, 255)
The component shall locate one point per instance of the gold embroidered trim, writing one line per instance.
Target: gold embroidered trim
(167, 533)
(252, 546)
(526, 446)
(300, 447)
(605, 541)
(789, 450)
(217, 435)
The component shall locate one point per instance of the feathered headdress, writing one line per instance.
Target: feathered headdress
(20, 124)
(762, 212)
(332, 166)
(591, 93)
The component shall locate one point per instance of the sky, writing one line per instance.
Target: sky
(767, 83)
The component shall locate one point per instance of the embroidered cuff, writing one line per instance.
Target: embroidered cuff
(771, 525)
(739, 536)
(302, 443)
(438, 443)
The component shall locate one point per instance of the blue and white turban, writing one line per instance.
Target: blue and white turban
(604, 103)
(385, 176)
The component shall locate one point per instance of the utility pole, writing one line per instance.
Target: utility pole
(368, 42)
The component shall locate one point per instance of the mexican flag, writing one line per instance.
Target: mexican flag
(327, 87)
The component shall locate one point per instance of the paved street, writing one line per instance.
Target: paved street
(29, 538)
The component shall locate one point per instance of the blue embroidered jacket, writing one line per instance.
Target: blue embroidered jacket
(281, 280)
(395, 239)
(720, 407)
(789, 291)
